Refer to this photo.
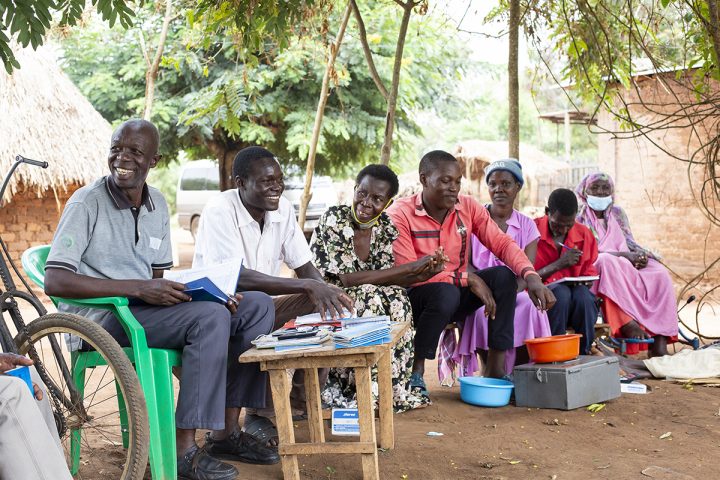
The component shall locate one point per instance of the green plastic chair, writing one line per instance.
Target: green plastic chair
(153, 367)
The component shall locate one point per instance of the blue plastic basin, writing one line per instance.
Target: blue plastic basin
(485, 392)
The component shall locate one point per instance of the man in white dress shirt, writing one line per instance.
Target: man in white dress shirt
(255, 222)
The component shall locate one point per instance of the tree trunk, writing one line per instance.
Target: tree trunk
(153, 68)
(513, 88)
(224, 150)
(393, 94)
(317, 127)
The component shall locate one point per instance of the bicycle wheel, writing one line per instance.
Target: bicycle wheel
(108, 450)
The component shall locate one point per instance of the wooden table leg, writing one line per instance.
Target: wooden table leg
(385, 402)
(283, 418)
(314, 406)
(367, 421)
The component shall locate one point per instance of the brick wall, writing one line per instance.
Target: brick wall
(655, 189)
(28, 220)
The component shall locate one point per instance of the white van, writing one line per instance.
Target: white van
(199, 182)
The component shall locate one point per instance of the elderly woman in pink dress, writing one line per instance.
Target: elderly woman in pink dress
(638, 296)
(504, 179)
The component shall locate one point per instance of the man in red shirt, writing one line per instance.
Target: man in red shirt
(440, 219)
(568, 249)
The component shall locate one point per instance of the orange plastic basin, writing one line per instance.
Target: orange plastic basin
(558, 348)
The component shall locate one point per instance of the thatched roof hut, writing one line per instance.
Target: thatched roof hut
(542, 173)
(45, 117)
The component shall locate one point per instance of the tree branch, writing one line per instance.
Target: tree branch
(143, 49)
(152, 71)
(333, 50)
(366, 50)
(392, 98)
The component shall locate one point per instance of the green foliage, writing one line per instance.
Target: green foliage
(589, 43)
(27, 21)
(210, 102)
(251, 23)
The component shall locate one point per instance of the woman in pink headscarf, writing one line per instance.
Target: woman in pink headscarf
(638, 296)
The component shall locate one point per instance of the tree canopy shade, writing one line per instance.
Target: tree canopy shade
(210, 102)
(28, 21)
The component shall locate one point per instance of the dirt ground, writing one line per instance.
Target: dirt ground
(672, 432)
(619, 442)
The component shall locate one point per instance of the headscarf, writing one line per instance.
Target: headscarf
(587, 217)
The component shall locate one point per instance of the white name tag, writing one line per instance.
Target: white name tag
(155, 243)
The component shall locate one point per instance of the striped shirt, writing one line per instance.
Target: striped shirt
(421, 235)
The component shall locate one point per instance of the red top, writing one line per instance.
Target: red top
(421, 235)
(580, 237)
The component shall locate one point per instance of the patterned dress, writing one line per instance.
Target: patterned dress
(334, 254)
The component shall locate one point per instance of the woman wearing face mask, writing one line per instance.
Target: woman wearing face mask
(352, 248)
(638, 296)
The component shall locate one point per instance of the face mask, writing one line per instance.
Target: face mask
(599, 204)
(369, 223)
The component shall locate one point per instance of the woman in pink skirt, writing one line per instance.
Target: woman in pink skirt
(504, 180)
(638, 296)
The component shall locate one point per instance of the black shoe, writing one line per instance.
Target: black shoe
(241, 447)
(197, 464)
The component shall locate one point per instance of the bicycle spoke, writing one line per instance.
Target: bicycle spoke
(101, 401)
(101, 380)
(101, 387)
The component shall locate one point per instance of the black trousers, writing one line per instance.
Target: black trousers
(575, 307)
(434, 305)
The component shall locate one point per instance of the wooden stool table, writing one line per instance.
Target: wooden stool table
(361, 359)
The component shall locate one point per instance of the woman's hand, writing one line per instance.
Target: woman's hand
(483, 292)
(638, 259)
(641, 260)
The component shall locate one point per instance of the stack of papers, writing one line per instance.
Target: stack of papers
(582, 279)
(363, 334)
(316, 319)
(307, 343)
(350, 322)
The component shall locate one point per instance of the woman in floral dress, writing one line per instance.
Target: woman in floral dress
(352, 248)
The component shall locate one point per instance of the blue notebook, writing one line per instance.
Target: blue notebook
(201, 289)
(204, 290)
(365, 342)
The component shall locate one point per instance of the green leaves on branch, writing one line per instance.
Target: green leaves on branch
(251, 23)
(27, 21)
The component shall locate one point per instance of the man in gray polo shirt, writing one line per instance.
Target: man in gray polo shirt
(113, 239)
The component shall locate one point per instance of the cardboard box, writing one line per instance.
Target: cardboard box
(567, 385)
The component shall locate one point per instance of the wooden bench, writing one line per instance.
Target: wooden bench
(361, 359)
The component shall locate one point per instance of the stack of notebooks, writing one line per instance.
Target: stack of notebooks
(362, 334)
(317, 340)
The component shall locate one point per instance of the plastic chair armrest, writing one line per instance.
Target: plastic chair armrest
(119, 306)
(98, 302)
